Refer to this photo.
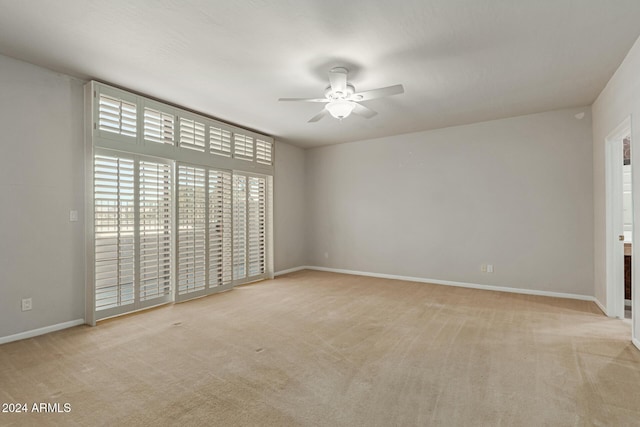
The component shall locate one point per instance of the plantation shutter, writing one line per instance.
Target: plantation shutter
(117, 116)
(192, 134)
(158, 127)
(114, 227)
(220, 228)
(250, 227)
(219, 141)
(257, 225)
(155, 230)
(239, 227)
(191, 229)
(263, 152)
(205, 239)
(242, 146)
(181, 203)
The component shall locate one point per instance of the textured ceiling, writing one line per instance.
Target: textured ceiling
(460, 61)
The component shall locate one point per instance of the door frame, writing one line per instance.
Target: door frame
(614, 220)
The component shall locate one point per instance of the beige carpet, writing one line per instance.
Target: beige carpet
(323, 349)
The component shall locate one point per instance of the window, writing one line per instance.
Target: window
(239, 227)
(158, 127)
(204, 230)
(249, 226)
(220, 228)
(243, 147)
(117, 116)
(256, 224)
(114, 210)
(220, 141)
(191, 134)
(191, 229)
(132, 232)
(181, 209)
(263, 152)
(155, 230)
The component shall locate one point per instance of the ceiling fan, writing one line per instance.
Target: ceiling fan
(341, 98)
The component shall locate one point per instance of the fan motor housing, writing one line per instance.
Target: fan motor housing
(334, 96)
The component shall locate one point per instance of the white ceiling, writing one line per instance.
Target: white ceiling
(461, 61)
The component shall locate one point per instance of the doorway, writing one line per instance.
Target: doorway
(619, 217)
(627, 217)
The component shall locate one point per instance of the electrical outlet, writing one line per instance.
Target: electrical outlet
(483, 268)
(73, 216)
(26, 304)
(489, 268)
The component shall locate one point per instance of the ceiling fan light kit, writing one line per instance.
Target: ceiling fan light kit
(342, 99)
(340, 109)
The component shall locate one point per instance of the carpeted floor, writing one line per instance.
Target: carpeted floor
(324, 349)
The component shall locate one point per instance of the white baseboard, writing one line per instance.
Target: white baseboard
(600, 306)
(290, 270)
(41, 331)
(636, 343)
(459, 284)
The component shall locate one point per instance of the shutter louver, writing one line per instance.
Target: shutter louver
(257, 224)
(158, 127)
(117, 116)
(191, 134)
(191, 229)
(219, 141)
(242, 147)
(239, 226)
(155, 230)
(263, 152)
(114, 226)
(220, 239)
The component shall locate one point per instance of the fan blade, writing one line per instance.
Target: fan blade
(377, 93)
(318, 116)
(363, 111)
(305, 99)
(338, 80)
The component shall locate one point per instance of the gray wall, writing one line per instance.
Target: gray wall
(289, 196)
(41, 179)
(619, 100)
(515, 193)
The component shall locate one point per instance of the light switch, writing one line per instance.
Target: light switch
(73, 216)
